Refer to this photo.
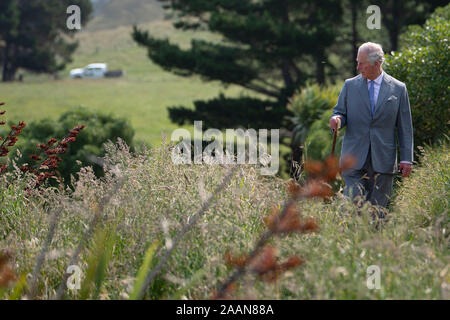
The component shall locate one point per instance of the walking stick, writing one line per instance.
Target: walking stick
(335, 134)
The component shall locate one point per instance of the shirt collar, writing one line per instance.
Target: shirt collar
(379, 78)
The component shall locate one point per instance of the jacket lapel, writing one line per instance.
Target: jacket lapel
(364, 92)
(384, 93)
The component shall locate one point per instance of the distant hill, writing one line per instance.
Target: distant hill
(110, 14)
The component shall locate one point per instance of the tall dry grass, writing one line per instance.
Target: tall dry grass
(119, 227)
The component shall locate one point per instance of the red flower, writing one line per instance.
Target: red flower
(292, 262)
(314, 167)
(35, 157)
(235, 261)
(3, 151)
(332, 166)
(348, 162)
(294, 188)
(264, 261)
(317, 188)
(7, 274)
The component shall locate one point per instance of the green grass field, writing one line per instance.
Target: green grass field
(142, 96)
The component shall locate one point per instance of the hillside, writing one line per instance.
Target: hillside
(109, 14)
(142, 95)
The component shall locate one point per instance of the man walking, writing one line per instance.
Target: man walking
(374, 106)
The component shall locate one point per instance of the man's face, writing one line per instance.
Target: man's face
(368, 71)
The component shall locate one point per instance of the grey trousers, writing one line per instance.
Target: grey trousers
(372, 186)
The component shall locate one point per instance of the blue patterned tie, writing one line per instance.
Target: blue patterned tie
(372, 97)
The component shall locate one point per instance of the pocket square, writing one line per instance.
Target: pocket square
(392, 98)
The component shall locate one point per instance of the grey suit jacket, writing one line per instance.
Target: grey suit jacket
(392, 115)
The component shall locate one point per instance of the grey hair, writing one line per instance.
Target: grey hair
(374, 52)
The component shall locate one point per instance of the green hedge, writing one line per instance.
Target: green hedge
(99, 129)
(423, 64)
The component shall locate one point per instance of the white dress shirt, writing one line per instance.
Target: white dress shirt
(376, 86)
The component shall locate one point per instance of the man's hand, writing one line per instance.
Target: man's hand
(335, 122)
(405, 168)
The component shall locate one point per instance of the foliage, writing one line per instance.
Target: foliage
(410, 246)
(34, 35)
(10, 139)
(43, 164)
(144, 81)
(88, 147)
(308, 106)
(397, 15)
(262, 259)
(264, 45)
(395, 18)
(319, 140)
(240, 112)
(423, 64)
(427, 193)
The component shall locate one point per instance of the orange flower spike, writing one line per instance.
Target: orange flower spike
(309, 225)
(293, 188)
(264, 261)
(227, 292)
(271, 221)
(318, 188)
(291, 263)
(271, 276)
(7, 275)
(332, 165)
(234, 261)
(227, 258)
(313, 167)
(348, 162)
(290, 221)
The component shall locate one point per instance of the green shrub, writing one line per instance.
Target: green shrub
(423, 65)
(319, 140)
(89, 144)
(308, 106)
(222, 112)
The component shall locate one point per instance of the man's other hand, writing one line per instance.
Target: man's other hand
(335, 122)
(405, 168)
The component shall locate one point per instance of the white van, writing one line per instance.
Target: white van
(92, 71)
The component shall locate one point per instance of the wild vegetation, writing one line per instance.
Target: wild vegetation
(149, 229)
(117, 229)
